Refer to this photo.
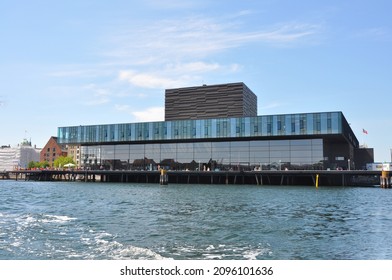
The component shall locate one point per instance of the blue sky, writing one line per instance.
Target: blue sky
(65, 63)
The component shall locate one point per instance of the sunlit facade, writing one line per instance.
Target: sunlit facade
(293, 141)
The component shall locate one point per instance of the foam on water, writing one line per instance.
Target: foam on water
(43, 236)
(220, 251)
(47, 236)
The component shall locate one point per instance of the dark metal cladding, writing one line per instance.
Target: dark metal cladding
(213, 101)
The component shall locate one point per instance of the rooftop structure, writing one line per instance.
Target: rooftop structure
(210, 102)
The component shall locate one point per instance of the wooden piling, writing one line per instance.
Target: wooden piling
(163, 178)
(385, 181)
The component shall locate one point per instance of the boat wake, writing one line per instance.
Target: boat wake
(218, 252)
(41, 236)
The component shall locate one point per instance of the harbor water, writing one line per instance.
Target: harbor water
(74, 220)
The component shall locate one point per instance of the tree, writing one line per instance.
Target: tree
(61, 161)
(44, 164)
(36, 164)
(31, 165)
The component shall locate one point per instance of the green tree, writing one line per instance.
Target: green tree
(36, 164)
(43, 164)
(31, 165)
(61, 161)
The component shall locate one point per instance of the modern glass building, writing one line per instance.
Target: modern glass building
(294, 141)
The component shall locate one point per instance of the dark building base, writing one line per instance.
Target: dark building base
(287, 177)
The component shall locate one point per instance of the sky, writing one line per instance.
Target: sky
(86, 62)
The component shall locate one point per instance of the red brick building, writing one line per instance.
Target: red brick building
(52, 150)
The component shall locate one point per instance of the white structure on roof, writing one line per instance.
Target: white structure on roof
(379, 166)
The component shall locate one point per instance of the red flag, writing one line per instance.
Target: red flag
(364, 131)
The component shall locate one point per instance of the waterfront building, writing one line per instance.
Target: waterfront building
(321, 140)
(364, 156)
(73, 151)
(52, 150)
(12, 158)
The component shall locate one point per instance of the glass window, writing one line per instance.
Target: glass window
(220, 152)
(107, 152)
(269, 128)
(318, 126)
(279, 143)
(202, 152)
(259, 144)
(153, 153)
(184, 153)
(239, 153)
(304, 142)
(168, 152)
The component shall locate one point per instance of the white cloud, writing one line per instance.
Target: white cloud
(150, 114)
(272, 105)
(173, 53)
(194, 67)
(376, 33)
(199, 37)
(148, 80)
(147, 115)
(97, 95)
(122, 108)
(175, 75)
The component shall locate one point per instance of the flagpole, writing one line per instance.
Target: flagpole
(364, 131)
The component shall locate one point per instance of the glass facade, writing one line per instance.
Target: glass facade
(293, 141)
(226, 155)
(260, 126)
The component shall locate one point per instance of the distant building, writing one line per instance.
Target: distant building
(379, 166)
(363, 156)
(217, 128)
(210, 102)
(73, 151)
(12, 158)
(52, 150)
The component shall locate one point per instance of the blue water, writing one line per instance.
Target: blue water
(64, 220)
